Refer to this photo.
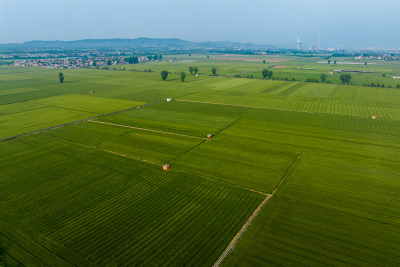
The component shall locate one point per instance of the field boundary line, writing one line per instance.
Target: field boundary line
(228, 126)
(105, 150)
(144, 129)
(237, 237)
(220, 181)
(77, 121)
(243, 106)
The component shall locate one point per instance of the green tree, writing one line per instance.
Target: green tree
(160, 57)
(164, 75)
(61, 77)
(365, 63)
(214, 71)
(383, 75)
(346, 78)
(155, 57)
(270, 74)
(196, 70)
(334, 62)
(132, 60)
(183, 76)
(264, 61)
(329, 61)
(323, 77)
(191, 70)
(109, 62)
(264, 73)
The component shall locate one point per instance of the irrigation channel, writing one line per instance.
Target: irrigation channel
(236, 238)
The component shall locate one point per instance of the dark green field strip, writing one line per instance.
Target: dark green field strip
(292, 89)
(152, 146)
(123, 214)
(239, 157)
(351, 123)
(327, 213)
(362, 149)
(89, 133)
(26, 245)
(19, 107)
(195, 214)
(157, 234)
(181, 241)
(142, 144)
(276, 86)
(212, 237)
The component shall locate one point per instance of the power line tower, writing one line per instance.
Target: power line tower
(319, 42)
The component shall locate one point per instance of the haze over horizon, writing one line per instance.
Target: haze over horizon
(342, 24)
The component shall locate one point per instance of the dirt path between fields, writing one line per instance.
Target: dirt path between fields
(237, 237)
(150, 130)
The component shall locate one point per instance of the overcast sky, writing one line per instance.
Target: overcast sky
(340, 23)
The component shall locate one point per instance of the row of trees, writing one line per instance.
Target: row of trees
(266, 73)
(164, 75)
(194, 70)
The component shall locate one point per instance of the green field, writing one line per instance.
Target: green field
(94, 192)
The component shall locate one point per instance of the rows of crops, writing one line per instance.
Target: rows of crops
(114, 210)
(327, 212)
(176, 117)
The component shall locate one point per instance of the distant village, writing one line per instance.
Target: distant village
(78, 60)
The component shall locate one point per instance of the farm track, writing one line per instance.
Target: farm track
(78, 121)
(149, 130)
(237, 237)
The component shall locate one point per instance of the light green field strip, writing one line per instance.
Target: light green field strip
(23, 122)
(88, 103)
(17, 91)
(19, 107)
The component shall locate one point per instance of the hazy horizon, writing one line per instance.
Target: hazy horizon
(342, 24)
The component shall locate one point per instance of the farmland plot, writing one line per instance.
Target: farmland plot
(327, 212)
(113, 210)
(182, 118)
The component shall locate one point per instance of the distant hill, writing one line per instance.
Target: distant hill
(142, 43)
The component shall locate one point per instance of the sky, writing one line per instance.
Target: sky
(340, 23)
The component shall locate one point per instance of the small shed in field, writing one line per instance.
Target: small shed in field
(166, 167)
(169, 99)
(373, 117)
(209, 136)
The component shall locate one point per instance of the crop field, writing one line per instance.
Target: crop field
(324, 174)
(329, 213)
(129, 212)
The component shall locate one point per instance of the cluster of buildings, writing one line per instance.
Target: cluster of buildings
(385, 57)
(75, 62)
